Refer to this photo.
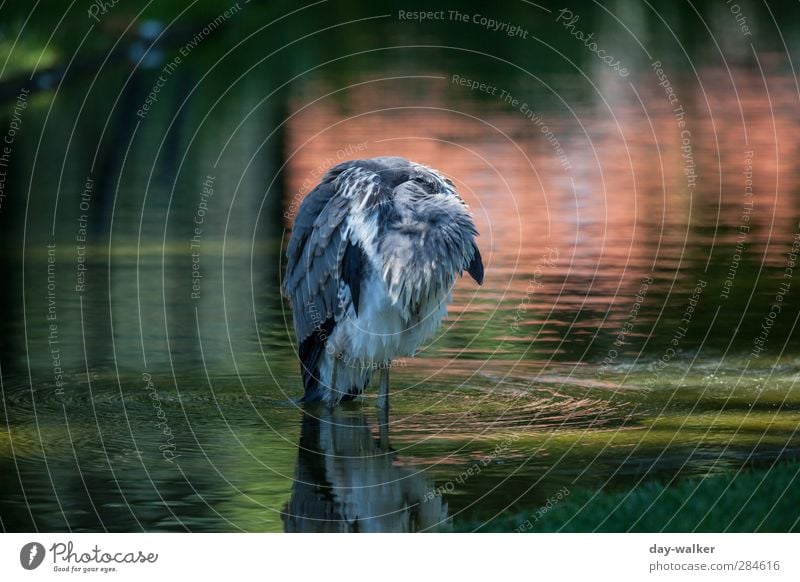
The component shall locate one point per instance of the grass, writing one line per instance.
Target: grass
(755, 500)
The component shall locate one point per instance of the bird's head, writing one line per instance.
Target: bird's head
(414, 214)
(426, 182)
(430, 216)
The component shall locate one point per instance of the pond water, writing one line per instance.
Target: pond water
(637, 321)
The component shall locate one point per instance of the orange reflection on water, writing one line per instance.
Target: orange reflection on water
(623, 204)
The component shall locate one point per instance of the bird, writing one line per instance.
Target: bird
(373, 255)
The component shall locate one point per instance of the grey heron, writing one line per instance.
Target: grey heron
(374, 252)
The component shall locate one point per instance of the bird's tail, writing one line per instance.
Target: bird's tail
(313, 389)
(351, 379)
(312, 353)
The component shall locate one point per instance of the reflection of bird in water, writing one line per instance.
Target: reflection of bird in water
(374, 252)
(346, 481)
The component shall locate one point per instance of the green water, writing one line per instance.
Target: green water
(626, 331)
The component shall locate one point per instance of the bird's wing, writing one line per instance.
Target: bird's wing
(312, 269)
(324, 266)
(320, 255)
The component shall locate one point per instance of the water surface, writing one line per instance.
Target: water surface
(625, 332)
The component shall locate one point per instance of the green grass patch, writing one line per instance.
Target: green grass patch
(754, 500)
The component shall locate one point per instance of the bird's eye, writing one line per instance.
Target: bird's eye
(424, 182)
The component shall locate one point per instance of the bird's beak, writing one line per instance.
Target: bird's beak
(475, 268)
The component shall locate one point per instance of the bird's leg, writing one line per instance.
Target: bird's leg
(383, 409)
(383, 394)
